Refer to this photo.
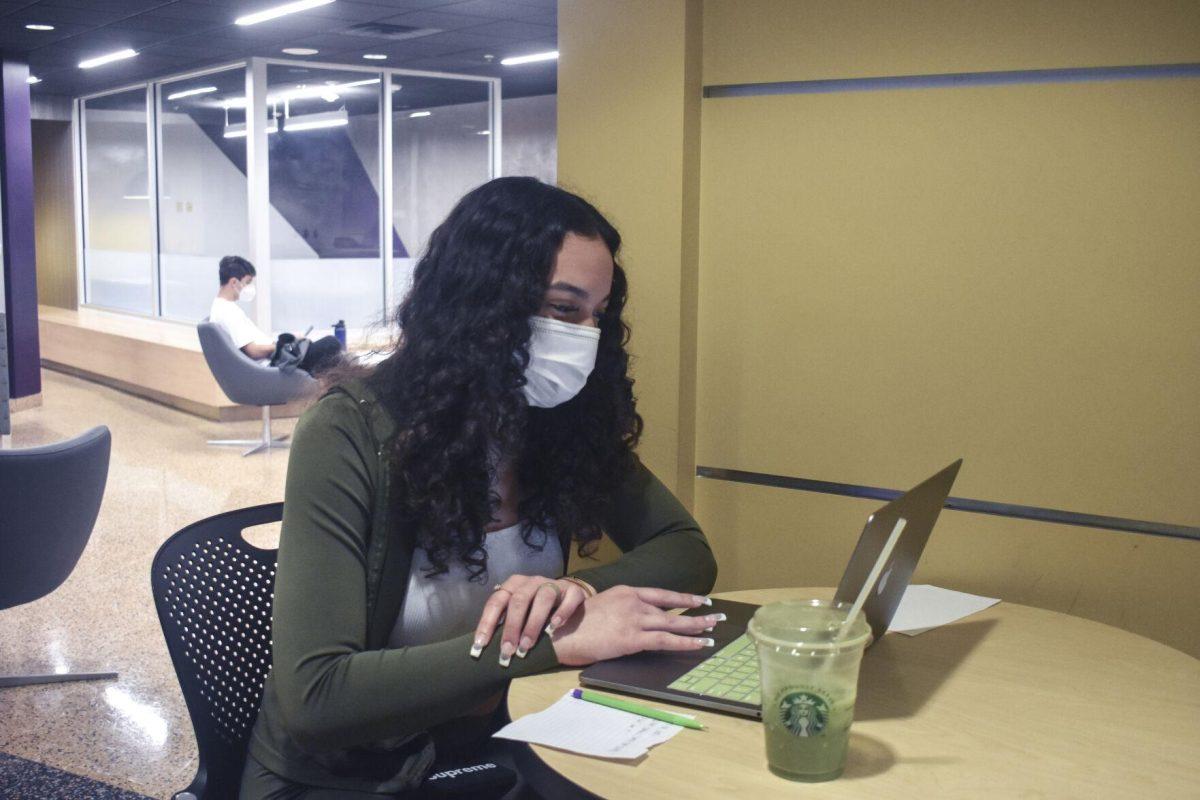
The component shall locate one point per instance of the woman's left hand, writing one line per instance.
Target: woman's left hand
(525, 602)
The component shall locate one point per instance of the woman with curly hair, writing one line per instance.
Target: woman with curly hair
(431, 503)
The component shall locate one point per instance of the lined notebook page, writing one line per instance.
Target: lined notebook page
(591, 729)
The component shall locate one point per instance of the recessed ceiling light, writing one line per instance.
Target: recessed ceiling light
(416, 114)
(375, 57)
(300, 51)
(279, 11)
(483, 133)
(38, 27)
(107, 59)
(32, 79)
(529, 59)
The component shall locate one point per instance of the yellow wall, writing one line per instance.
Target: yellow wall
(888, 280)
(755, 41)
(628, 119)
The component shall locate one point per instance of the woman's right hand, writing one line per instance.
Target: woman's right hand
(628, 619)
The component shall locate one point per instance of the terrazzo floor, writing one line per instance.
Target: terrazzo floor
(132, 733)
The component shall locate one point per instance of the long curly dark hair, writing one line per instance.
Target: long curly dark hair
(454, 382)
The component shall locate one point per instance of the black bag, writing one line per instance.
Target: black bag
(289, 352)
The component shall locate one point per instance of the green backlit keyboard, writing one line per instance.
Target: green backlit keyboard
(730, 674)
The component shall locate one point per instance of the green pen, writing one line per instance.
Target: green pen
(634, 708)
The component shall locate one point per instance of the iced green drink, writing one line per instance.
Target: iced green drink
(809, 679)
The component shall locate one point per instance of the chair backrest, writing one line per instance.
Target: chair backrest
(213, 591)
(245, 380)
(49, 500)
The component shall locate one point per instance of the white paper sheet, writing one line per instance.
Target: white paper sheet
(590, 729)
(924, 607)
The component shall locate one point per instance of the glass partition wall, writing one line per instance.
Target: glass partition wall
(360, 165)
(202, 213)
(118, 223)
(441, 144)
(325, 182)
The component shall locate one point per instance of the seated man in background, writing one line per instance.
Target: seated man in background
(237, 284)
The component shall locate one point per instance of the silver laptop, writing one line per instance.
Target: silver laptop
(727, 680)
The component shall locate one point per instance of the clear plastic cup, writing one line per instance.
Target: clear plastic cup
(809, 684)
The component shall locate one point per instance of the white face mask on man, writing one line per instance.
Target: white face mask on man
(561, 357)
(247, 294)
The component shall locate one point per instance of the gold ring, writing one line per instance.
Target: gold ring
(499, 588)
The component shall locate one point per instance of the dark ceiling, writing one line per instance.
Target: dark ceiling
(174, 36)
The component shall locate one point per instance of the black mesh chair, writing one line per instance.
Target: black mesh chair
(213, 591)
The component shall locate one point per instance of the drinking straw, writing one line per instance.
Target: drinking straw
(871, 578)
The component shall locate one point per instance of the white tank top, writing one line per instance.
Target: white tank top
(449, 605)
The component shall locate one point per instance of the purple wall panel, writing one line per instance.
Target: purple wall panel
(20, 265)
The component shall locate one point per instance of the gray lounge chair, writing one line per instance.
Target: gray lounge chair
(251, 383)
(49, 499)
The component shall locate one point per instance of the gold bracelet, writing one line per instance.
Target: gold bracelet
(588, 589)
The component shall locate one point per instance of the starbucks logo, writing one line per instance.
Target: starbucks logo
(803, 714)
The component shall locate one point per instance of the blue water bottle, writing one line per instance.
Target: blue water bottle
(339, 331)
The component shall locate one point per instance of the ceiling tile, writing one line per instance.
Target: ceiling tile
(57, 16)
(406, 5)
(124, 8)
(15, 39)
(338, 41)
(496, 9)
(193, 10)
(351, 11)
(144, 23)
(523, 31)
(456, 40)
(436, 19)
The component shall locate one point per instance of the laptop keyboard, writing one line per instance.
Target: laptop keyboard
(729, 674)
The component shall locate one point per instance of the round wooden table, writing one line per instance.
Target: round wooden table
(1010, 702)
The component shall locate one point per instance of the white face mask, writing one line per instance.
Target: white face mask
(561, 357)
(247, 294)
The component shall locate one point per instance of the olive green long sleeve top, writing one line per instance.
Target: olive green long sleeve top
(342, 710)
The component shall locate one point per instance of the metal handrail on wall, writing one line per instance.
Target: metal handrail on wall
(957, 503)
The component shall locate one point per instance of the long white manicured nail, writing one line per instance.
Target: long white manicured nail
(718, 617)
(523, 648)
(506, 653)
(550, 629)
(706, 642)
(704, 601)
(477, 647)
(709, 628)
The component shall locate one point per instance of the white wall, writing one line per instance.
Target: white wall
(530, 137)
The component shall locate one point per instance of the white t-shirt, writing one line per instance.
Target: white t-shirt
(241, 328)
